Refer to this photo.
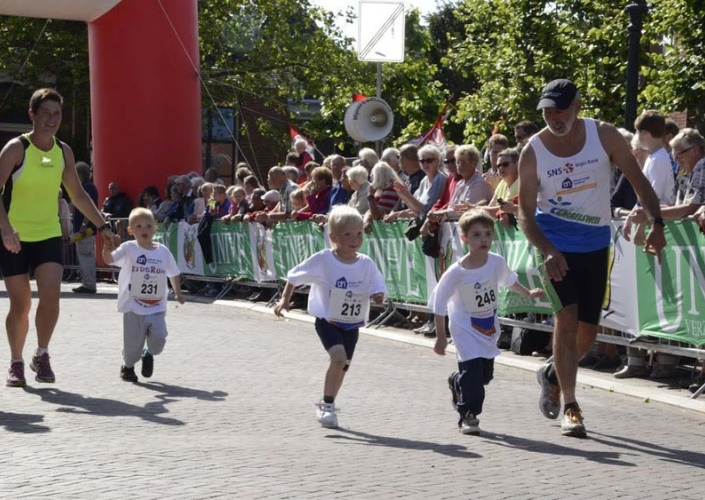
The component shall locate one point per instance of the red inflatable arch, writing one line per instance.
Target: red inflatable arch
(145, 91)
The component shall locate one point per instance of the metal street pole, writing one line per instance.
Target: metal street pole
(378, 144)
(636, 11)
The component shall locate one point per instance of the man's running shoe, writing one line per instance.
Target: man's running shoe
(550, 400)
(15, 375)
(572, 424)
(42, 366)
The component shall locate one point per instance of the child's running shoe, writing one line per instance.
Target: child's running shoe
(147, 364)
(42, 366)
(469, 425)
(128, 374)
(326, 415)
(15, 375)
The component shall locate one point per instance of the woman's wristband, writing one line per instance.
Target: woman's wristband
(105, 226)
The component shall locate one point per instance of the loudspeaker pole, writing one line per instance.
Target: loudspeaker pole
(378, 144)
(379, 80)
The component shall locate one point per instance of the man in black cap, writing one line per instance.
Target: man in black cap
(564, 210)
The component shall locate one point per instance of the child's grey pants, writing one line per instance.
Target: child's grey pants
(137, 329)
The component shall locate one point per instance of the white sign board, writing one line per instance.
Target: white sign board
(381, 31)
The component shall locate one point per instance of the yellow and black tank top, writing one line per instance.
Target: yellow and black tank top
(30, 195)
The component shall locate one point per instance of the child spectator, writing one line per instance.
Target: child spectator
(238, 199)
(239, 205)
(309, 167)
(242, 173)
(198, 209)
(342, 284)
(251, 183)
(221, 207)
(298, 199)
(256, 205)
(142, 292)
(469, 292)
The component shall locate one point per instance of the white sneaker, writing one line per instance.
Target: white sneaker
(326, 416)
(469, 425)
(572, 424)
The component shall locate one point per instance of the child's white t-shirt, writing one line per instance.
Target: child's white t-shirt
(340, 293)
(471, 296)
(142, 282)
(659, 171)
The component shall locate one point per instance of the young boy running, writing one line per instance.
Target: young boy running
(142, 292)
(342, 284)
(468, 291)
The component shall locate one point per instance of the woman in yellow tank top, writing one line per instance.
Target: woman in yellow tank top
(32, 168)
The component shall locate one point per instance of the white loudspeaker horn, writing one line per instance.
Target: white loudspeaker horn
(369, 120)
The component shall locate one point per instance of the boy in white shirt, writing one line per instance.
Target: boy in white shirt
(650, 128)
(342, 284)
(142, 292)
(469, 291)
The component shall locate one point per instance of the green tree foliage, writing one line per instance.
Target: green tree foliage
(491, 56)
(284, 51)
(409, 87)
(59, 59)
(674, 71)
(274, 51)
(512, 47)
(444, 27)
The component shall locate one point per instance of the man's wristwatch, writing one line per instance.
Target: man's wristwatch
(659, 221)
(104, 226)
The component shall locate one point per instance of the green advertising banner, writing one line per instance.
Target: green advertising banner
(232, 251)
(293, 243)
(642, 296)
(401, 261)
(511, 244)
(671, 295)
(167, 236)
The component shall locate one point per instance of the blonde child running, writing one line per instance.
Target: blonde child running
(142, 292)
(342, 284)
(468, 291)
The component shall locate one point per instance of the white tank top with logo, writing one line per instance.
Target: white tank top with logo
(573, 206)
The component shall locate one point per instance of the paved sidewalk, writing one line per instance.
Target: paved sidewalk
(229, 414)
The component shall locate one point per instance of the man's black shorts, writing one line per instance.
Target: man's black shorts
(32, 255)
(331, 335)
(584, 284)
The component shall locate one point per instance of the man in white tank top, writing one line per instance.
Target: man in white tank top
(564, 211)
